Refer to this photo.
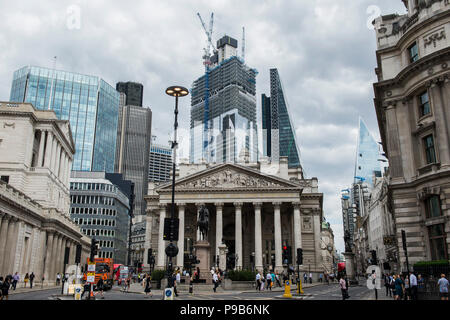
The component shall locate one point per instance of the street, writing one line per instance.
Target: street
(319, 292)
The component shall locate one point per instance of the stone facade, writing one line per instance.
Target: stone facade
(253, 212)
(36, 151)
(329, 258)
(412, 99)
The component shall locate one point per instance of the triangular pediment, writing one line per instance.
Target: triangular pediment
(230, 177)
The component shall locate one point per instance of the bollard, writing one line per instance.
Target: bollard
(287, 290)
(299, 287)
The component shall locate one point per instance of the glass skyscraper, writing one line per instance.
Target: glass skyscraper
(228, 92)
(367, 156)
(279, 138)
(88, 102)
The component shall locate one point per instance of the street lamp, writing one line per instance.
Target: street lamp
(172, 250)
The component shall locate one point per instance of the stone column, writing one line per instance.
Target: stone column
(219, 226)
(63, 169)
(48, 255)
(161, 243)
(277, 227)
(258, 236)
(180, 242)
(58, 160)
(52, 275)
(3, 238)
(199, 235)
(148, 235)
(12, 244)
(58, 260)
(317, 228)
(48, 150)
(238, 234)
(41, 149)
(53, 158)
(441, 126)
(297, 229)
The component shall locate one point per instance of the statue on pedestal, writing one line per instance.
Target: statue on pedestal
(347, 241)
(203, 222)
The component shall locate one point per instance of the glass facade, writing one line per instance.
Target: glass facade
(89, 103)
(279, 138)
(231, 120)
(367, 155)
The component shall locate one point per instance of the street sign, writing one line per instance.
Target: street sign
(371, 284)
(90, 277)
(168, 294)
(77, 292)
(91, 267)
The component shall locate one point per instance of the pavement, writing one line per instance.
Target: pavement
(35, 288)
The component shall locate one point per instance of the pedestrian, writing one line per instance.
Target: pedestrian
(128, 283)
(197, 277)
(215, 281)
(258, 281)
(26, 279)
(398, 284)
(86, 288)
(148, 285)
(443, 287)
(178, 277)
(58, 279)
(263, 280)
(407, 290)
(413, 285)
(5, 284)
(420, 282)
(16, 279)
(269, 281)
(321, 277)
(305, 278)
(343, 286)
(277, 279)
(100, 287)
(310, 277)
(31, 280)
(273, 278)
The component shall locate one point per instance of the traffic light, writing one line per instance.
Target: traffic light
(285, 255)
(94, 249)
(299, 256)
(374, 257)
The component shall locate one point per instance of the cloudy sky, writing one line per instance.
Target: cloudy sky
(323, 49)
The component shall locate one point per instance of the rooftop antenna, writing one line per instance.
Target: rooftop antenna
(51, 86)
(243, 44)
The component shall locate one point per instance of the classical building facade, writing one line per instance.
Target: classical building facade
(255, 209)
(36, 152)
(412, 99)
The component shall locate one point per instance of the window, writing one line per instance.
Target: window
(413, 53)
(424, 104)
(438, 246)
(433, 207)
(429, 149)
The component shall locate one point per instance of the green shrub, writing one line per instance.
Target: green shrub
(242, 275)
(157, 275)
(432, 263)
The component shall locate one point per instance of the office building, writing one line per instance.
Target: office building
(160, 164)
(279, 138)
(100, 206)
(223, 110)
(88, 102)
(36, 150)
(134, 92)
(412, 106)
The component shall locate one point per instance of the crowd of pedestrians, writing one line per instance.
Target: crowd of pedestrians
(10, 282)
(401, 287)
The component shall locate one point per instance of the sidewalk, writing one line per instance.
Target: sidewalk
(35, 288)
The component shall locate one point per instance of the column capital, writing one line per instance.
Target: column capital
(257, 205)
(276, 204)
(238, 204)
(162, 206)
(296, 204)
(219, 204)
(199, 204)
(182, 204)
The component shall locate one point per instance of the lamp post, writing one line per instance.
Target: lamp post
(172, 250)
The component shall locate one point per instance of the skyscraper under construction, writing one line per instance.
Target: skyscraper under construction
(223, 109)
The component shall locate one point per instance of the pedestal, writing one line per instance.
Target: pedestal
(350, 266)
(222, 257)
(203, 252)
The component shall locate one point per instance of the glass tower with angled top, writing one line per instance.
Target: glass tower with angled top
(88, 102)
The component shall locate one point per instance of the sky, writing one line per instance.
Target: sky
(324, 51)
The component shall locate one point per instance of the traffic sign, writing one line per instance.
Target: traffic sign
(168, 294)
(90, 277)
(91, 267)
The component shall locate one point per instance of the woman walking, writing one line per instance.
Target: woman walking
(398, 283)
(148, 285)
(26, 279)
(5, 288)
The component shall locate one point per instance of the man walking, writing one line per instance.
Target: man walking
(343, 286)
(31, 280)
(310, 277)
(413, 286)
(215, 281)
(58, 279)
(269, 281)
(277, 278)
(258, 281)
(16, 279)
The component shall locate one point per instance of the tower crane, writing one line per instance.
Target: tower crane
(207, 63)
